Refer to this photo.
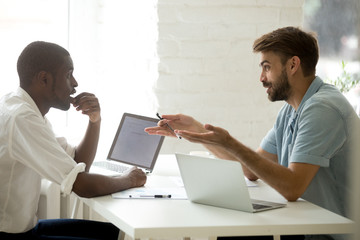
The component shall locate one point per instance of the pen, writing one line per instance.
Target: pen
(151, 196)
(156, 196)
(158, 115)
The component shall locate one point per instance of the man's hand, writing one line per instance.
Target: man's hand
(212, 136)
(89, 105)
(136, 176)
(176, 122)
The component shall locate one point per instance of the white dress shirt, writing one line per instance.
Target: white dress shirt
(29, 151)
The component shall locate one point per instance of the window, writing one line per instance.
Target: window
(337, 24)
(113, 47)
(22, 22)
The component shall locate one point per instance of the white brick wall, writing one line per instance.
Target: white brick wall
(207, 68)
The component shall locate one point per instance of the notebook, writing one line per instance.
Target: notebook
(218, 183)
(131, 146)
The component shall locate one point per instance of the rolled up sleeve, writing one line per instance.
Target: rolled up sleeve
(68, 182)
(50, 157)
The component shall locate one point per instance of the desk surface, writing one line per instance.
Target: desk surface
(160, 218)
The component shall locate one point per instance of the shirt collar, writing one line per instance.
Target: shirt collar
(313, 88)
(28, 99)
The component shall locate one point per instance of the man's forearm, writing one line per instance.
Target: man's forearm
(222, 153)
(290, 181)
(93, 185)
(86, 150)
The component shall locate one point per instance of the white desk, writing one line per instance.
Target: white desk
(167, 218)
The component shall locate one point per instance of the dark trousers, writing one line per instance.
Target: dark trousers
(66, 229)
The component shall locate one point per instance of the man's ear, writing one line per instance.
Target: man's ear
(294, 64)
(42, 78)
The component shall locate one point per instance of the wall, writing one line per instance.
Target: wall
(207, 68)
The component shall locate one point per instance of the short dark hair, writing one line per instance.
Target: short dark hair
(288, 42)
(39, 56)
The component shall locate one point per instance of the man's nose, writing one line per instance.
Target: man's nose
(262, 77)
(75, 83)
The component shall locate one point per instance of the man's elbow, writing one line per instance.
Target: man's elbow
(292, 196)
(85, 186)
(252, 178)
(249, 175)
(82, 192)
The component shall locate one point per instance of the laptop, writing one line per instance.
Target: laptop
(131, 146)
(218, 183)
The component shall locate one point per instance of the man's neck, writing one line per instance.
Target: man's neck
(299, 90)
(43, 108)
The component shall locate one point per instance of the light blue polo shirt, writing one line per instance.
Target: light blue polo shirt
(318, 133)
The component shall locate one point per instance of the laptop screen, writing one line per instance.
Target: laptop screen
(132, 145)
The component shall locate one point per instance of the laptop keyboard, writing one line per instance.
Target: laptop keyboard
(111, 166)
(259, 206)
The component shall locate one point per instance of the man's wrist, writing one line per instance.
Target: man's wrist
(232, 145)
(98, 121)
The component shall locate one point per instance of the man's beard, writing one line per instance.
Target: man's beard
(281, 89)
(63, 105)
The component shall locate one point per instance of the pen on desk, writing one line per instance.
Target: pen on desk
(156, 196)
(150, 196)
(177, 135)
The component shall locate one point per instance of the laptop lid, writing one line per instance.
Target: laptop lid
(132, 145)
(218, 183)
